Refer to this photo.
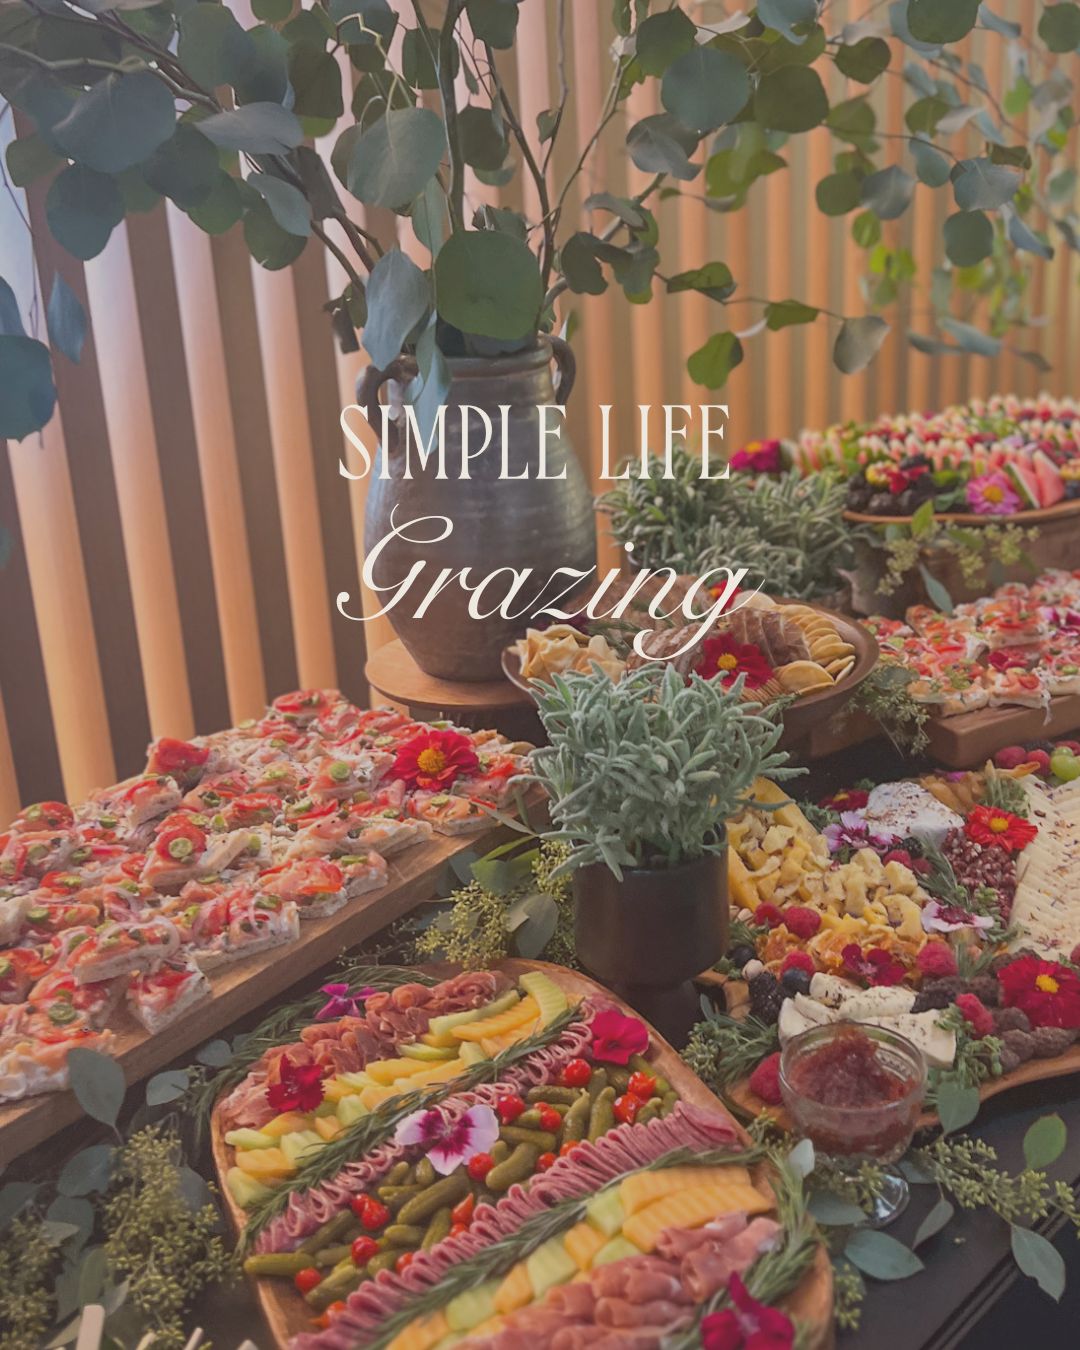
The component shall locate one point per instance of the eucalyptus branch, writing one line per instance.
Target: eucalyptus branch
(564, 85)
(442, 60)
(125, 67)
(547, 255)
(340, 254)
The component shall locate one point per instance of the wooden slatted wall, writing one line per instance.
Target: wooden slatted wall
(179, 533)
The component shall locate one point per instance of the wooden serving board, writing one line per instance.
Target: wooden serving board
(242, 986)
(968, 740)
(748, 1104)
(285, 1311)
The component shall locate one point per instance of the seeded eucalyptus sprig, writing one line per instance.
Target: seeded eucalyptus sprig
(644, 773)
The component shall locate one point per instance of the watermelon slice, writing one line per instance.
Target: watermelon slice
(1048, 475)
(1024, 480)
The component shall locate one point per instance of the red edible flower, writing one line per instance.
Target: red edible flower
(876, 966)
(616, 1037)
(725, 659)
(989, 826)
(434, 759)
(976, 1014)
(801, 921)
(749, 1325)
(759, 457)
(847, 799)
(1048, 992)
(299, 1087)
(765, 1080)
(936, 959)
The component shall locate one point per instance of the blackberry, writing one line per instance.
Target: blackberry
(766, 997)
(932, 999)
(1051, 1041)
(795, 981)
(1010, 1019)
(986, 989)
(740, 954)
(1021, 1043)
(1009, 1059)
(953, 984)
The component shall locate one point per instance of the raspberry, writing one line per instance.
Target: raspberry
(936, 959)
(977, 1014)
(922, 867)
(768, 914)
(798, 961)
(802, 923)
(765, 1080)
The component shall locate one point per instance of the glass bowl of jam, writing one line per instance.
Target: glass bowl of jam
(856, 1091)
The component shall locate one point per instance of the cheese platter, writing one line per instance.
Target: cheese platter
(629, 1142)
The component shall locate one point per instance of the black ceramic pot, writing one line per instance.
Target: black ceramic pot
(648, 935)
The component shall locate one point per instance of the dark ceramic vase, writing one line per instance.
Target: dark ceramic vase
(512, 522)
(647, 936)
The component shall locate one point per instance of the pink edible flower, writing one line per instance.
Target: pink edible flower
(991, 494)
(939, 918)
(615, 1037)
(340, 1003)
(448, 1145)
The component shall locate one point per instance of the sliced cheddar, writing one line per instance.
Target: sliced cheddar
(265, 1164)
(388, 1070)
(422, 1334)
(582, 1243)
(525, 1011)
(288, 1123)
(691, 1209)
(515, 1291)
(643, 1188)
(493, 1045)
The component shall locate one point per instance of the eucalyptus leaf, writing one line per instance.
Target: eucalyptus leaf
(214, 1054)
(399, 296)
(801, 1158)
(787, 313)
(705, 88)
(117, 122)
(221, 208)
(255, 128)
(969, 238)
(483, 141)
(864, 60)
(30, 158)
(881, 1256)
(888, 193)
(532, 919)
(661, 144)
(786, 15)
(427, 393)
(712, 364)
(98, 1083)
(83, 208)
(213, 47)
(662, 38)
(941, 1215)
(392, 161)
(76, 1212)
(940, 21)
(14, 1197)
(86, 1172)
(185, 168)
(858, 342)
(11, 323)
(1038, 1258)
(579, 265)
(979, 184)
(487, 284)
(955, 1109)
(270, 245)
(835, 1212)
(972, 339)
(66, 320)
(791, 99)
(931, 165)
(714, 280)
(166, 1087)
(838, 193)
(1025, 238)
(315, 78)
(629, 212)
(27, 392)
(288, 205)
(1059, 26)
(493, 21)
(1045, 1142)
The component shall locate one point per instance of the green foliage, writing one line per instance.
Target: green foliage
(27, 1260)
(786, 530)
(884, 696)
(644, 773)
(722, 1049)
(182, 100)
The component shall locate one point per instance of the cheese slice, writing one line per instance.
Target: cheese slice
(936, 1042)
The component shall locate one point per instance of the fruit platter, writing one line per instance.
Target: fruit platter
(496, 1154)
(1003, 456)
(153, 905)
(994, 671)
(935, 909)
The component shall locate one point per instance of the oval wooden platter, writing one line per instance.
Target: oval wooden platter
(747, 1104)
(811, 1304)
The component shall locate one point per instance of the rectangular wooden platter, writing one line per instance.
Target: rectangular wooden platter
(242, 986)
(970, 739)
(811, 1303)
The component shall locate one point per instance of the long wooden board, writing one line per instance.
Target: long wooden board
(968, 740)
(811, 1304)
(748, 1104)
(242, 986)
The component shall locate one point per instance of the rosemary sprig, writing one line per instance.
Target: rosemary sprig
(281, 1025)
(498, 1258)
(722, 1049)
(376, 1128)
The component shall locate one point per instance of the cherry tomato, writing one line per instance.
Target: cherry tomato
(642, 1085)
(363, 1249)
(569, 1147)
(510, 1108)
(577, 1073)
(463, 1210)
(545, 1161)
(550, 1120)
(626, 1108)
(356, 1204)
(307, 1279)
(404, 1261)
(328, 1316)
(457, 1229)
(479, 1165)
(375, 1215)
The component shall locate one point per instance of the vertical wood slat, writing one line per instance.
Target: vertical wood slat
(646, 326)
(110, 286)
(215, 439)
(816, 409)
(9, 783)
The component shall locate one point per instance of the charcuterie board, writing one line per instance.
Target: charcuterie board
(245, 985)
(286, 1313)
(747, 1104)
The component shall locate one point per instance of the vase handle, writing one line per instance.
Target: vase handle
(566, 366)
(370, 381)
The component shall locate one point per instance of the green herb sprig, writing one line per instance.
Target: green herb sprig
(377, 1126)
(722, 1049)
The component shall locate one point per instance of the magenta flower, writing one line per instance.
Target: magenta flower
(991, 494)
(759, 457)
(449, 1144)
(853, 831)
(749, 1325)
(615, 1037)
(939, 918)
(340, 1003)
